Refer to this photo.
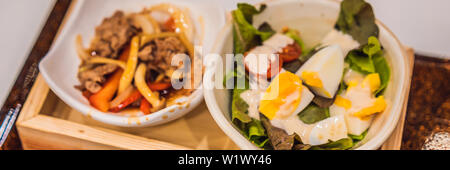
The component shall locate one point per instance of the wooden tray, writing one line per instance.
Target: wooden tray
(46, 122)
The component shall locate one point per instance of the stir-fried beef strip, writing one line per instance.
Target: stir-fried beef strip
(91, 79)
(159, 53)
(114, 33)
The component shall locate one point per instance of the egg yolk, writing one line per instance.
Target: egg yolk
(352, 84)
(378, 106)
(282, 96)
(343, 102)
(313, 79)
(360, 92)
(373, 81)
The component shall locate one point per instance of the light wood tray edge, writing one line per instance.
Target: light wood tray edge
(44, 132)
(394, 142)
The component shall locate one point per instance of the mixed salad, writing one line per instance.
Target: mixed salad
(128, 64)
(320, 98)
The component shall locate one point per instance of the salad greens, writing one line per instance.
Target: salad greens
(245, 35)
(239, 107)
(357, 19)
(257, 133)
(295, 65)
(249, 10)
(382, 68)
(295, 35)
(313, 114)
(341, 144)
(357, 138)
(279, 139)
(369, 59)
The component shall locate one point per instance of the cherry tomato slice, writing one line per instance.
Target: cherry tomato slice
(273, 62)
(290, 52)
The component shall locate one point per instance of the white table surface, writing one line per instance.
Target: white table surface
(424, 25)
(22, 21)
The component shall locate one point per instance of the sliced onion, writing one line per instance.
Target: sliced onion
(121, 97)
(182, 19)
(128, 74)
(147, 23)
(187, 44)
(141, 84)
(82, 53)
(103, 60)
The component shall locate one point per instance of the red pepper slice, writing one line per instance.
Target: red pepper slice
(169, 25)
(145, 107)
(100, 100)
(159, 86)
(87, 94)
(136, 95)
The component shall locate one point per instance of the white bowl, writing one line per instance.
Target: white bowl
(299, 14)
(59, 67)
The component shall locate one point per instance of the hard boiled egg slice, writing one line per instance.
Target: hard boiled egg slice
(306, 98)
(323, 71)
(358, 103)
(284, 97)
(355, 125)
(333, 128)
(345, 41)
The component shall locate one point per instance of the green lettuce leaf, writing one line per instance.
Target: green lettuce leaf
(357, 138)
(239, 107)
(295, 35)
(369, 59)
(382, 68)
(293, 66)
(342, 144)
(313, 114)
(357, 19)
(360, 62)
(279, 139)
(249, 10)
(244, 34)
(232, 77)
(257, 133)
(265, 31)
(373, 47)
(256, 129)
